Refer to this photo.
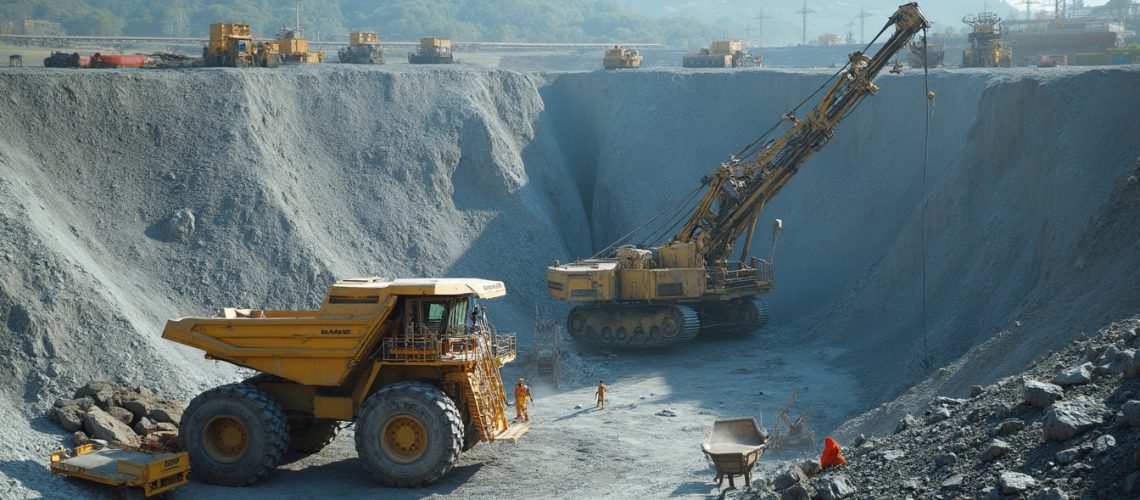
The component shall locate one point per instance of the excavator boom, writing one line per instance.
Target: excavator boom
(649, 297)
(740, 189)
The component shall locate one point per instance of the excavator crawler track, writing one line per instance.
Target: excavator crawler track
(633, 325)
(740, 316)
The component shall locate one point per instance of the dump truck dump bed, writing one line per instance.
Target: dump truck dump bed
(319, 347)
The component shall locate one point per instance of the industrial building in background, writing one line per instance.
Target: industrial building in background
(653, 294)
(363, 48)
(432, 51)
(722, 54)
(985, 46)
(621, 58)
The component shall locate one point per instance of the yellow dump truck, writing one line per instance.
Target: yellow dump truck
(414, 363)
(363, 48)
(722, 54)
(231, 45)
(432, 51)
(621, 58)
(294, 48)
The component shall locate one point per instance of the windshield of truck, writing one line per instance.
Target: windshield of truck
(434, 317)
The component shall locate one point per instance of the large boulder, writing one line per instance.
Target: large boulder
(1076, 375)
(1132, 366)
(1040, 394)
(122, 414)
(835, 487)
(1016, 483)
(167, 412)
(1067, 419)
(1131, 411)
(907, 422)
(102, 391)
(69, 417)
(995, 450)
(101, 425)
(788, 478)
(141, 407)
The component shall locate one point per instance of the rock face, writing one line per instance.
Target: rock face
(1041, 394)
(1070, 418)
(993, 447)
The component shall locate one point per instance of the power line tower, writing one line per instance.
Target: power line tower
(1059, 9)
(760, 28)
(1027, 4)
(863, 15)
(850, 34)
(805, 11)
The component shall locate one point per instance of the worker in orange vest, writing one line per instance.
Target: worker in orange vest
(832, 454)
(601, 395)
(522, 397)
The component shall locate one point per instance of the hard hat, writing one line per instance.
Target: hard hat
(520, 380)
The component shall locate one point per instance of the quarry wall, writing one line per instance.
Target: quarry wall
(295, 177)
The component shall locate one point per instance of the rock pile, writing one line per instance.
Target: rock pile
(1068, 427)
(133, 416)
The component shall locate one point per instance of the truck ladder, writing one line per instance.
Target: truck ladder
(485, 397)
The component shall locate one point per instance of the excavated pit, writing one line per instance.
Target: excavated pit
(129, 197)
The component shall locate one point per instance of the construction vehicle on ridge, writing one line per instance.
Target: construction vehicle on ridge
(646, 296)
(413, 363)
(985, 47)
(294, 48)
(926, 54)
(231, 45)
(363, 48)
(722, 54)
(432, 51)
(621, 58)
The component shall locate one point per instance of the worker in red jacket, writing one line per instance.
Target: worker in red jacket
(832, 454)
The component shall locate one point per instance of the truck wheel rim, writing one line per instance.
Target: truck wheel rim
(404, 439)
(225, 439)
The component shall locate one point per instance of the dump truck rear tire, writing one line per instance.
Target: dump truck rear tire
(311, 435)
(236, 435)
(409, 434)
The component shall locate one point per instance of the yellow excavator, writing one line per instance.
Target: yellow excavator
(667, 294)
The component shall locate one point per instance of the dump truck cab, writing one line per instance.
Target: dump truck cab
(414, 363)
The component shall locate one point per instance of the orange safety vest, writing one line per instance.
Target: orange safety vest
(522, 394)
(832, 454)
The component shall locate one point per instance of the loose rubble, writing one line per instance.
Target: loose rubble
(105, 411)
(1018, 438)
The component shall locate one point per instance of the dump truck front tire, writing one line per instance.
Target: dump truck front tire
(236, 435)
(409, 434)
